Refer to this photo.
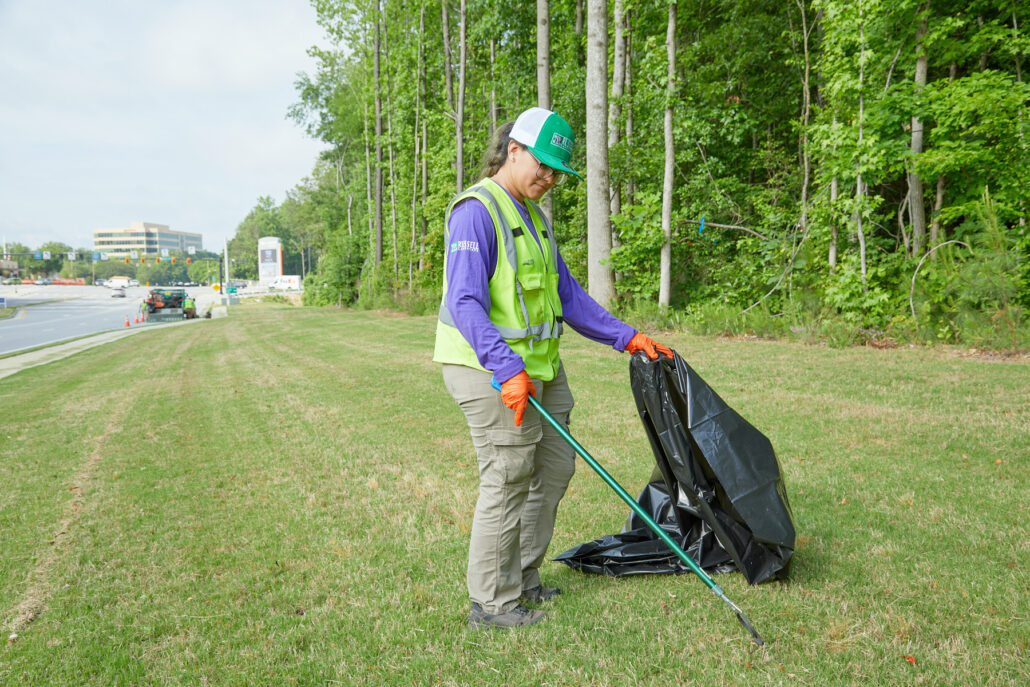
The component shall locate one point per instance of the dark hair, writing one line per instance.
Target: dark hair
(497, 154)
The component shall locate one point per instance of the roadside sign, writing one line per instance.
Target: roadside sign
(3, 302)
(71, 257)
(134, 254)
(192, 250)
(46, 255)
(96, 256)
(231, 289)
(164, 252)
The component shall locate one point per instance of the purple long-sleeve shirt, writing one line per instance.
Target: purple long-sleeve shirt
(471, 258)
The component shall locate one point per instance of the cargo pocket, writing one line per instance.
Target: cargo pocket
(509, 458)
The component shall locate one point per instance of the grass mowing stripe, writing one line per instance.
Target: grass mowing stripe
(47, 456)
(39, 586)
(283, 460)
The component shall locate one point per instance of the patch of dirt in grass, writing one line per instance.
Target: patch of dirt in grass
(39, 586)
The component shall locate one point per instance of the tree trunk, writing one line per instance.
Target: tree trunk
(832, 258)
(599, 235)
(615, 106)
(628, 90)
(935, 227)
(1015, 38)
(415, 159)
(901, 225)
(543, 72)
(665, 274)
(389, 148)
(368, 202)
(1022, 139)
(859, 186)
(379, 141)
(459, 118)
(543, 54)
(425, 160)
(916, 204)
(578, 28)
(493, 85)
(445, 24)
(806, 107)
(368, 173)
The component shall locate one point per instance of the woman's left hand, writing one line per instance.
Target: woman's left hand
(649, 346)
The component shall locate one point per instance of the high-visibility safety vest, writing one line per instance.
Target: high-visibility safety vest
(524, 303)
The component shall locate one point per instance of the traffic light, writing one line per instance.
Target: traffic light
(173, 260)
(126, 259)
(158, 260)
(143, 260)
(189, 260)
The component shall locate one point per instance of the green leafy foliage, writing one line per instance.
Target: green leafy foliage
(747, 154)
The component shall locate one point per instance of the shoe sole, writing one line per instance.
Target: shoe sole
(487, 625)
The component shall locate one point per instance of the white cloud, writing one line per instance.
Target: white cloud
(172, 112)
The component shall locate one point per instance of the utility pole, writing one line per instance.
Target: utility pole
(225, 282)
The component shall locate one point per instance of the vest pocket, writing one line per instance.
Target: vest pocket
(531, 281)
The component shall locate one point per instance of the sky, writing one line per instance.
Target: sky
(166, 111)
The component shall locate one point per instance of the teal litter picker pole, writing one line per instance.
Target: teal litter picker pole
(655, 527)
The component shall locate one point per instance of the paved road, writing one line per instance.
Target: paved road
(68, 312)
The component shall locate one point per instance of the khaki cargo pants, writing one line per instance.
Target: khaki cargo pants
(523, 474)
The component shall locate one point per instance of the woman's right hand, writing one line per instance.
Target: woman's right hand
(515, 394)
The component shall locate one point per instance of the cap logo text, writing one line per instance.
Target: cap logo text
(562, 142)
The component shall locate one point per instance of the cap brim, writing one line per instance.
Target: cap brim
(553, 162)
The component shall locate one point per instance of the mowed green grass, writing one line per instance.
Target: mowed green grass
(284, 497)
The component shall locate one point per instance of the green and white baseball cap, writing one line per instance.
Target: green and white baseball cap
(548, 137)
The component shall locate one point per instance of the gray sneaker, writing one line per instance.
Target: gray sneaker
(520, 615)
(540, 593)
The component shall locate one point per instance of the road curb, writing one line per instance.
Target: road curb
(42, 356)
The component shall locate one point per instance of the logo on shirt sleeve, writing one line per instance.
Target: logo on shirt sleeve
(471, 246)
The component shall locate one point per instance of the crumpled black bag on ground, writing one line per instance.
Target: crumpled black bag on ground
(731, 509)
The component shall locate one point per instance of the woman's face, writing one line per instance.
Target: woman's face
(522, 175)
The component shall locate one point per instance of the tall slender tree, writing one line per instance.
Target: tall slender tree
(615, 105)
(379, 135)
(599, 235)
(445, 25)
(543, 72)
(665, 266)
(459, 113)
(916, 204)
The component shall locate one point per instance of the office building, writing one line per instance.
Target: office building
(146, 238)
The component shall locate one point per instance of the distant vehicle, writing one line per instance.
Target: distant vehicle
(99, 282)
(11, 280)
(285, 282)
(117, 282)
(118, 293)
(133, 282)
(44, 281)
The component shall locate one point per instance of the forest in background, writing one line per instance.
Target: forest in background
(860, 167)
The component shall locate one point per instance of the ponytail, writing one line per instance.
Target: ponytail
(497, 154)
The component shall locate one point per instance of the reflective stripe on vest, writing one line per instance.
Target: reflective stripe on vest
(546, 330)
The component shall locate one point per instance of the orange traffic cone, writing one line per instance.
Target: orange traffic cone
(126, 320)
(135, 320)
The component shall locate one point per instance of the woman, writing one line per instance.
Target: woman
(507, 294)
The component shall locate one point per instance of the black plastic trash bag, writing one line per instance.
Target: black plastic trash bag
(731, 508)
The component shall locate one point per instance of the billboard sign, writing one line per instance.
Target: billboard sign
(270, 259)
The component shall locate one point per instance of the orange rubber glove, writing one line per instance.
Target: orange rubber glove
(515, 394)
(652, 348)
